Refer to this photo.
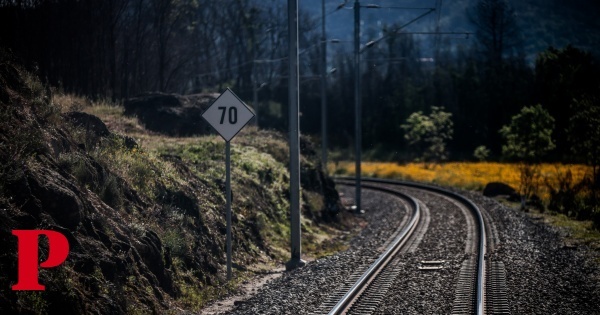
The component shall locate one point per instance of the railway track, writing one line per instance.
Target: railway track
(369, 279)
(367, 290)
(530, 259)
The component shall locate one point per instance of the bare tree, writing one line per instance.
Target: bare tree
(497, 29)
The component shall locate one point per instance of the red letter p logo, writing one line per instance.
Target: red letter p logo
(58, 250)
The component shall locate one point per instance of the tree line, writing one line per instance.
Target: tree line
(120, 48)
(482, 82)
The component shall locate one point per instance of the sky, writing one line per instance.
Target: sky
(543, 23)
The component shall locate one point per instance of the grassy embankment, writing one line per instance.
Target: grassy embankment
(252, 154)
(259, 184)
(474, 176)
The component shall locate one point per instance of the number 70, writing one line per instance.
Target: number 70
(232, 114)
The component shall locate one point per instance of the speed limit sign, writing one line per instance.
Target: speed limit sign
(228, 115)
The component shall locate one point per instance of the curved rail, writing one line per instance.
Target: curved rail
(384, 258)
(479, 306)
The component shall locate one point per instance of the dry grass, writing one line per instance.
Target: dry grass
(578, 232)
(465, 175)
(69, 102)
(111, 114)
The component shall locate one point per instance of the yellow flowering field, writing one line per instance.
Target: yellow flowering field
(467, 175)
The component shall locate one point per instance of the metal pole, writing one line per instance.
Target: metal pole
(357, 109)
(228, 202)
(255, 100)
(296, 249)
(323, 91)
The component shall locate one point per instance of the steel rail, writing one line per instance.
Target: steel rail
(480, 300)
(383, 259)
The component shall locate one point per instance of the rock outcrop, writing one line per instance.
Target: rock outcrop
(171, 114)
(494, 189)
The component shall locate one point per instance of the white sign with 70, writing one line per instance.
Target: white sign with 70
(228, 115)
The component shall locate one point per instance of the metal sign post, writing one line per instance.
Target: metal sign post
(228, 115)
(228, 204)
(323, 90)
(357, 107)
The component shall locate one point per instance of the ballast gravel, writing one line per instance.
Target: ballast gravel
(544, 275)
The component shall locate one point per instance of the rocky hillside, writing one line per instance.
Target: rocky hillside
(144, 215)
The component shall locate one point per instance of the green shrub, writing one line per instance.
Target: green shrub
(111, 192)
(175, 242)
(76, 165)
(481, 153)
(429, 134)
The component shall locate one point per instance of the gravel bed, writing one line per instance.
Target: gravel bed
(430, 292)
